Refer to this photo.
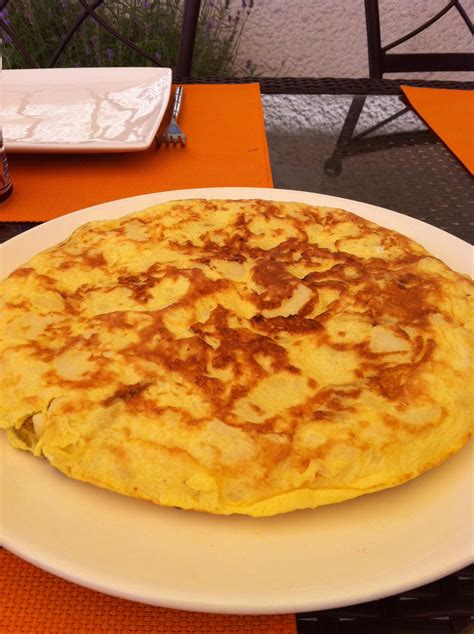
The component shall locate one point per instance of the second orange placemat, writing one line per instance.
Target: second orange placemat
(227, 146)
(450, 113)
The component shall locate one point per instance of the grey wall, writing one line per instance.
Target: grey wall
(327, 38)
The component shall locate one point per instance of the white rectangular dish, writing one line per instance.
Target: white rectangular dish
(83, 109)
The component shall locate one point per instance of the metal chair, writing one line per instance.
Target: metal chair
(89, 10)
(381, 62)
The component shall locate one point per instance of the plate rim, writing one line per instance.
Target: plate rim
(271, 607)
(236, 607)
(89, 147)
(266, 193)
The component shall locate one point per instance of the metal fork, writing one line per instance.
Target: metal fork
(173, 133)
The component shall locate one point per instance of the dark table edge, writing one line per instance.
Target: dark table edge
(328, 85)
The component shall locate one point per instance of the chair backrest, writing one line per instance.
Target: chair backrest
(89, 11)
(380, 61)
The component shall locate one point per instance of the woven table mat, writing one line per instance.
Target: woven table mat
(329, 85)
(37, 602)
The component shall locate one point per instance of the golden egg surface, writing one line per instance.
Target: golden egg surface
(237, 356)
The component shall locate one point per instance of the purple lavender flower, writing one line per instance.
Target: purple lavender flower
(110, 54)
(4, 17)
(157, 56)
(146, 4)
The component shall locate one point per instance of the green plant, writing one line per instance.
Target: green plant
(152, 25)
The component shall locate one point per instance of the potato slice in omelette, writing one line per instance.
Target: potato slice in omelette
(237, 356)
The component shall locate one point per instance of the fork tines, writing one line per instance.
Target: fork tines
(173, 135)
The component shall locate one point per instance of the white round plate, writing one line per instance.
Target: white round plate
(356, 551)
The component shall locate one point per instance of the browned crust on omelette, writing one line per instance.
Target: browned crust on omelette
(314, 339)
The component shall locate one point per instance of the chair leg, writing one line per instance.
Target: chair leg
(188, 35)
(333, 165)
(374, 41)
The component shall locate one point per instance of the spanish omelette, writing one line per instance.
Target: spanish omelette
(237, 356)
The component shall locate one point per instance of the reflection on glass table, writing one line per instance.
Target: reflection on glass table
(400, 165)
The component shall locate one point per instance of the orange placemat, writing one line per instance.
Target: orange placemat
(36, 602)
(449, 113)
(227, 146)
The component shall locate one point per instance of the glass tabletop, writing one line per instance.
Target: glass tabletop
(320, 143)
